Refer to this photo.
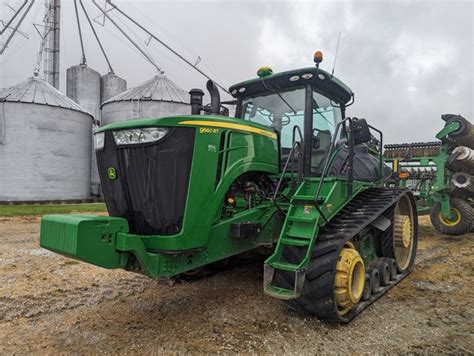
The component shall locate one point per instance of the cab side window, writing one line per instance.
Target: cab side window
(280, 111)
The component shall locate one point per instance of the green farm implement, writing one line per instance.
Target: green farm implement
(290, 172)
(440, 174)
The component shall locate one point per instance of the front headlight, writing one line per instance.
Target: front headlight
(99, 140)
(142, 135)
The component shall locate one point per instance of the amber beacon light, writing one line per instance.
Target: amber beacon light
(318, 57)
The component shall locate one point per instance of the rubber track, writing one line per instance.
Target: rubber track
(317, 297)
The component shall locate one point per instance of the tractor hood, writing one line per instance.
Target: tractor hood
(145, 178)
(215, 121)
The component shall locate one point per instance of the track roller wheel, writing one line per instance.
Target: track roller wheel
(461, 221)
(350, 278)
(392, 265)
(384, 271)
(367, 292)
(374, 279)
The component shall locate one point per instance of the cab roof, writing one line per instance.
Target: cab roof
(326, 84)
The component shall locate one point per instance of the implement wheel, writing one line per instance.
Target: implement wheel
(461, 221)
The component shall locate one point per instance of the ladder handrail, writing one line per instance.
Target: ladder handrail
(295, 145)
(327, 160)
(297, 129)
(381, 160)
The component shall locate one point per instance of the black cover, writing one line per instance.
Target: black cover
(152, 181)
(245, 229)
(366, 166)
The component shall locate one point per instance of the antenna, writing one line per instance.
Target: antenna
(335, 56)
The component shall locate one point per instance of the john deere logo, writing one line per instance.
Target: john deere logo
(112, 173)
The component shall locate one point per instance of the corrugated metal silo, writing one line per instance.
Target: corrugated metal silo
(156, 97)
(83, 86)
(45, 144)
(111, 85)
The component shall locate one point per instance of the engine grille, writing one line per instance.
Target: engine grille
(152, 181)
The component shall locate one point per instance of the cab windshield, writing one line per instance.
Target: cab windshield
(285, 109)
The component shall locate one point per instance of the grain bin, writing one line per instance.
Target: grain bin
(83, 86)
(111, 85)
(45, 144)
(157, 97)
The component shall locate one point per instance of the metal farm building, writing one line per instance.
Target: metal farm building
(45, 144)
(157, 97)
(111, 85)
(86, 87)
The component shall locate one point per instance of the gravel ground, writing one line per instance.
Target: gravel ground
(51, 304)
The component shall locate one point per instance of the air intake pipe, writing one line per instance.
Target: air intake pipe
(215, 97)
(196, 101)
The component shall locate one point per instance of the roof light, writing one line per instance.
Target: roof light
(307, 76)
(264, 72)
(294, 78)
(318, 57)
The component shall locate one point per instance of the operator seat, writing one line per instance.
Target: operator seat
(318, 155)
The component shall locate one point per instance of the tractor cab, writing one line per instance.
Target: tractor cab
(303, 105)
(306, 107)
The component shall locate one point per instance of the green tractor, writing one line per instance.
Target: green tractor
(440, 174)
(290, 172)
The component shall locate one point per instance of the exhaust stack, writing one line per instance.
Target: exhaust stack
(196, 101)
(215, 97)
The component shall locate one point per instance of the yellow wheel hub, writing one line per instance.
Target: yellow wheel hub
(403, 236)
(403, 231)
(350, 278)
(455, 213)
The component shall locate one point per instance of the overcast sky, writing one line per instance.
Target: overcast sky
(407, 61)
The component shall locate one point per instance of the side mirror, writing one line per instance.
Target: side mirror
(360, 132)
